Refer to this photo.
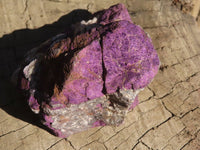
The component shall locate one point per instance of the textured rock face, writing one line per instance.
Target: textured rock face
(90, 76)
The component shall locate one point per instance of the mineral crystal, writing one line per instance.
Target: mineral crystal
(90, 77)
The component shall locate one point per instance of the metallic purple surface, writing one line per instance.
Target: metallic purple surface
(92, 78)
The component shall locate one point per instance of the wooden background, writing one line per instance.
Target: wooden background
(168, 115)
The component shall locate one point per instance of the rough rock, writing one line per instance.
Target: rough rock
(91, 74)
(173, 96)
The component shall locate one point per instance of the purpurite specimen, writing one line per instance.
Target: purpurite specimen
(90, 76)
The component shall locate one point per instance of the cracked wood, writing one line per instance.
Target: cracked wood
(167, 116)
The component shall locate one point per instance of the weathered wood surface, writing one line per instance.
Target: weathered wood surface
(168, 116)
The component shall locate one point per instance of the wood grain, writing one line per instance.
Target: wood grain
(168, 115)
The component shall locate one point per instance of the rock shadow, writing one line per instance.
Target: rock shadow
(13, 48)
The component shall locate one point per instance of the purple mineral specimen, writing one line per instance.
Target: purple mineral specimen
(91, 77)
